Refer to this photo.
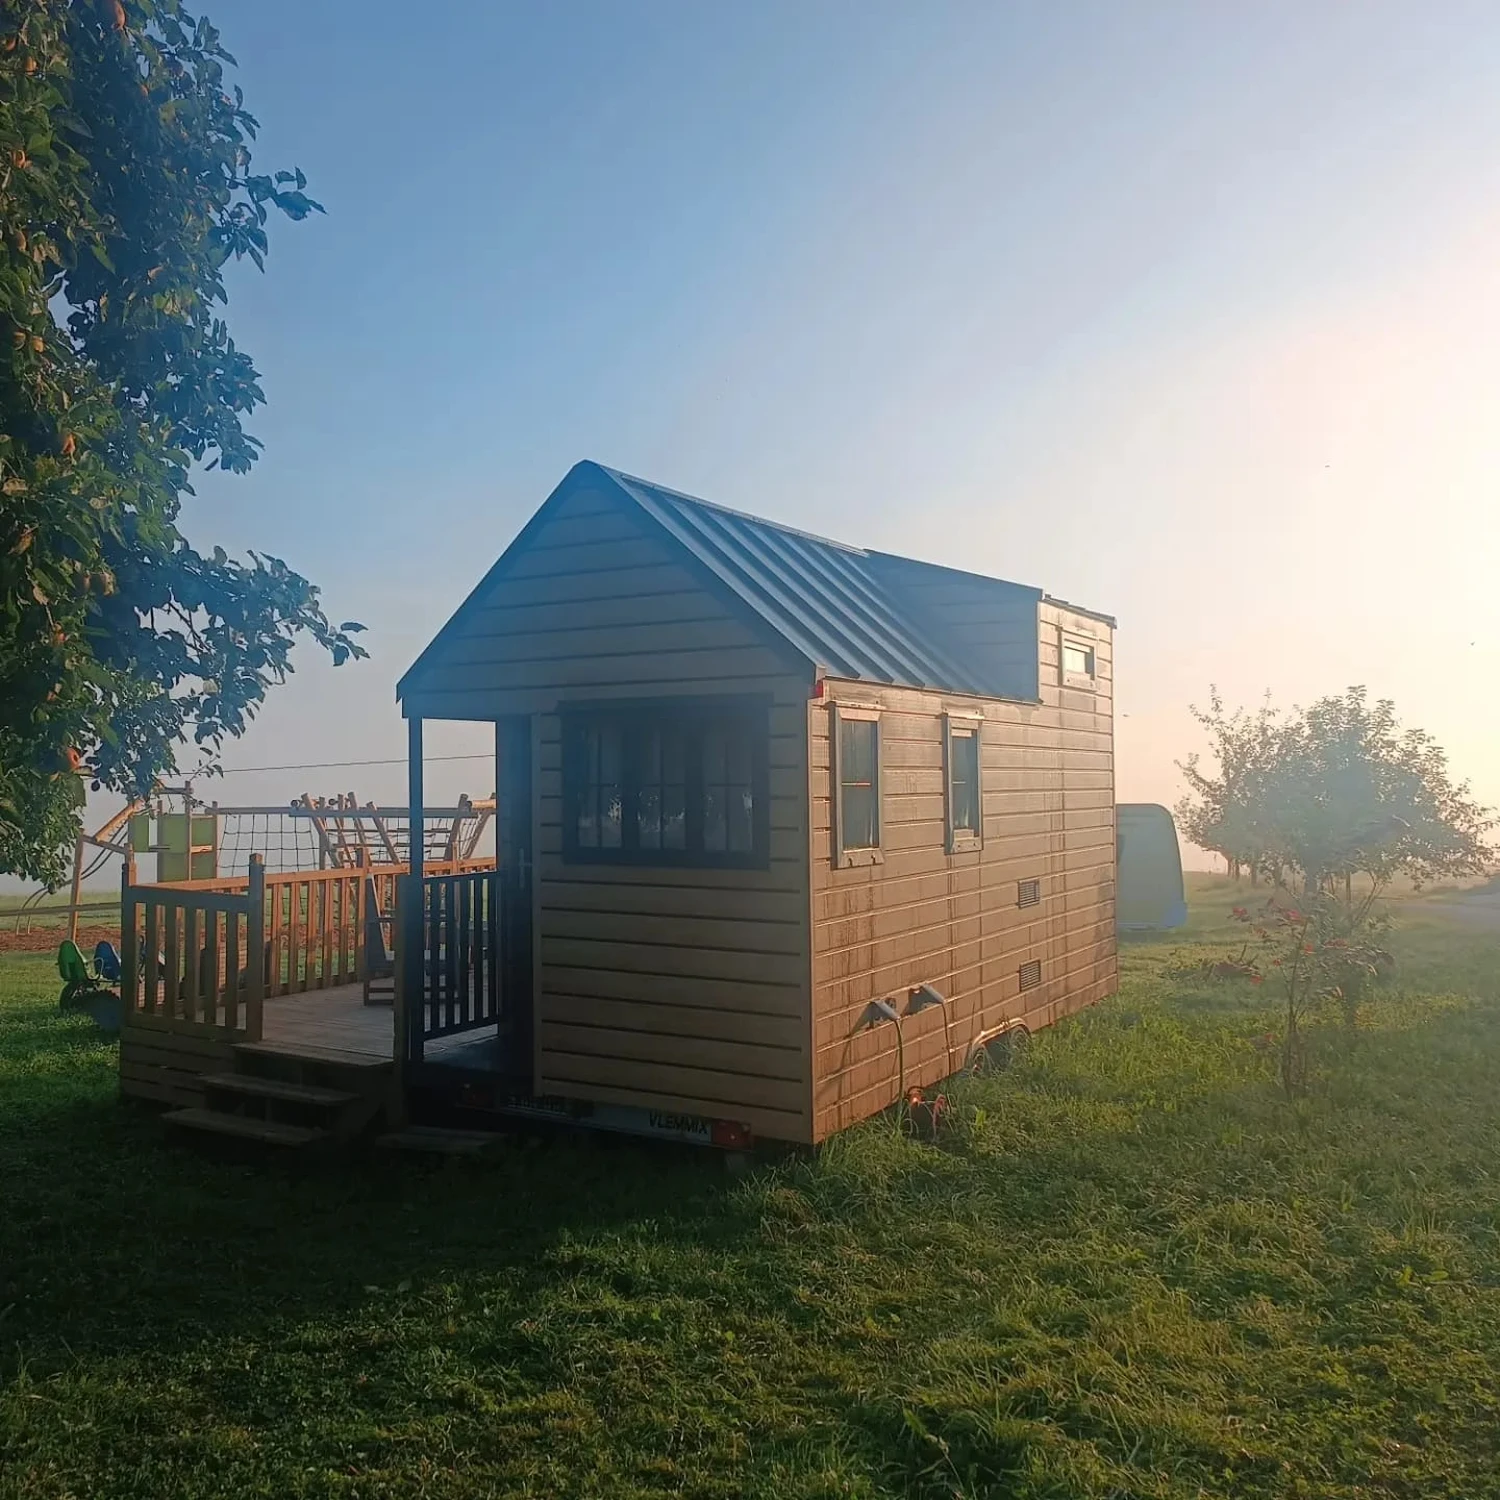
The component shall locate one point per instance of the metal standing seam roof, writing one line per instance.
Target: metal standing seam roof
(840, 607)
(823, 597)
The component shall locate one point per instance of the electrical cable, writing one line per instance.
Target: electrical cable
(334, 765)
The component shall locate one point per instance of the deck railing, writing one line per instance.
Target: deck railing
(193, 960)
(459, 988)
(202, 955)
(315, 939)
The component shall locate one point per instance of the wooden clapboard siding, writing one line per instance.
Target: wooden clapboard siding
(953, 920)
(682, 990)
(596, 604)
(674, 989)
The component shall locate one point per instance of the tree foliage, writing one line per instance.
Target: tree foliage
(125, 188)
(1331, 792)
(1226, 812)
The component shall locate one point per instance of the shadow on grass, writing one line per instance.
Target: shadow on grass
(113, 1240)
(114, 1243)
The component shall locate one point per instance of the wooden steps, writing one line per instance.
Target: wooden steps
(298, 1098)
(250, 1086)
(240, 1127)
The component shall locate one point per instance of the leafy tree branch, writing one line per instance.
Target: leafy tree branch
(125, 188)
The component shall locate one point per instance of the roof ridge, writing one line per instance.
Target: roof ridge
(620, 476)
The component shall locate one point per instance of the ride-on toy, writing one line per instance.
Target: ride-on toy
(86, 985)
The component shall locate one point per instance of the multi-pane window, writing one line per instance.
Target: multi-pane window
(857, 768)
(662, 796)
(600, 783)
(666, 784)
(728, 791)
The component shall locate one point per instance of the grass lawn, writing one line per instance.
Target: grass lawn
(1132, 1270)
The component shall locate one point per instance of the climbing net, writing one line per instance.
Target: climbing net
(337, 832)
(286, 841)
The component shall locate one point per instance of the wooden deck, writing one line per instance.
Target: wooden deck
(334, 1020)
(337, 1021)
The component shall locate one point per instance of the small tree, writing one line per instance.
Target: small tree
(125, 187)
(1335, 791)
(1314, 954)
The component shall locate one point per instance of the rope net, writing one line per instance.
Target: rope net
(337, 832)
(287, 842)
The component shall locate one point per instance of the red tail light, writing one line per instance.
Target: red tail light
(731, 1135)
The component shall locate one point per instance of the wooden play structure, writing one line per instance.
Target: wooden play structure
(195, 840)
(786, 831)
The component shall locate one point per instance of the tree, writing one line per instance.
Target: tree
(1335, 791)
(1223, 813)
(1355, 794)
(125, 187)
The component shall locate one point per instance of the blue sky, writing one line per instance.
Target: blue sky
(1190, 313)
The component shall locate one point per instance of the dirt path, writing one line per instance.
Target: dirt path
(45, 939)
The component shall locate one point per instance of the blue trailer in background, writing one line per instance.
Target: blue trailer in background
(1150, 893)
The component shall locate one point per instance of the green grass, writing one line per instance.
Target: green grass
(1132, 1270)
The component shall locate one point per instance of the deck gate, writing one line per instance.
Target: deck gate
(455, 984)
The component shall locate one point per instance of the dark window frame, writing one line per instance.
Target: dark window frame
(693, 717)
(963, 727)
(847, 857)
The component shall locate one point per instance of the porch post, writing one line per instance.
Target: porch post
(416, 824)
(411, 955)
(257, 965)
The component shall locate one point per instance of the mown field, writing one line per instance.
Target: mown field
(1132, 1269)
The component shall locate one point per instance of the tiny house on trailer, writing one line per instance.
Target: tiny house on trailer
(750, 783)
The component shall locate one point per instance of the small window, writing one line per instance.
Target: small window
(669, 784)
(857, 773)
(1028, 893)
(1078, 664)
(1031, 973)
(965, 807)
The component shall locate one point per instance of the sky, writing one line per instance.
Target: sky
(1187, 313)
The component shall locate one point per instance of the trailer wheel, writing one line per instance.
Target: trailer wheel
(1000, 1051)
